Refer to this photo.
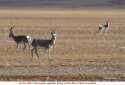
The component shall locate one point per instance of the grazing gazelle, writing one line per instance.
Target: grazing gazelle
(20, 39)
(104, 28)
(121, 48)
(47, 44)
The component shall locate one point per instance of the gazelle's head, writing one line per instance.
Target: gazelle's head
(107, 21)
(54, 34)
(11, 32)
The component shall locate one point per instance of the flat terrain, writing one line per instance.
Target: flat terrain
(78, 54)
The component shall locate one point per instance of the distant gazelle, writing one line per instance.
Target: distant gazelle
(20, 38)
(121, 48)
(104, 28)
(46, 44)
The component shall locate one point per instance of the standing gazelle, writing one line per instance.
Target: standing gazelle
(20, 39)
(104, 28)
(44, 43)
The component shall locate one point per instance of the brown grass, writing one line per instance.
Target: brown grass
(77, 40)
(65, 77)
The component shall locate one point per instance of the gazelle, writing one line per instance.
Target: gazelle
(20, 38)
(46, 44)
(121, 48)
(104, 28)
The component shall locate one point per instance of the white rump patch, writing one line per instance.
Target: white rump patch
(29, 39)
(100, 26)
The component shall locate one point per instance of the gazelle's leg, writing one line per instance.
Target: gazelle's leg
(36, 52)
(44, 51)
(49, 53)
(98, 33)
(32, 51)
(17, 47)
(29, 47)
(101, 32)
(106, 32)
(24, 46)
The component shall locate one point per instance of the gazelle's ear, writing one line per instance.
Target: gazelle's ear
(51, 30)
(51, 33)
(11, 28)
(55, 30)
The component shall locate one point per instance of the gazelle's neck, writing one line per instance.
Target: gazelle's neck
(13, 35)
(108, 23)
(52, 41)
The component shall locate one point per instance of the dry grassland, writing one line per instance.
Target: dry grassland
(79, 53)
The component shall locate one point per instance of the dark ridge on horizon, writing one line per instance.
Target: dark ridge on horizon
(62, 3)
